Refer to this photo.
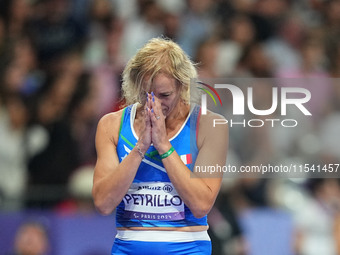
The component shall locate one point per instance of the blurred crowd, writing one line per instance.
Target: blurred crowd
(60, 71)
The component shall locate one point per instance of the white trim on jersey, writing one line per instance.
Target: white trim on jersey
(162, 236)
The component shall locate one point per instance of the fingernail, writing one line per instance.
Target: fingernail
(147, 96)
(153, 96)
(152, 110)
(147, 108)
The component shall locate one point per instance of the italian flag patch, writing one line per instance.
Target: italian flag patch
(186, 158)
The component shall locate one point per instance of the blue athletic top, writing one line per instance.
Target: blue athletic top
(152, 200)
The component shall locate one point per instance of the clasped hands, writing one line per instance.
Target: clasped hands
(154, 130)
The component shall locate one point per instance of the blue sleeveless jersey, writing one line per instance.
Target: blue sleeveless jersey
(152, 201)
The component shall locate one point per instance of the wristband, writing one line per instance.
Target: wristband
(168, 153)
(140, 151)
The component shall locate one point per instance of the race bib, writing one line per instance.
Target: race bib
(153, 201)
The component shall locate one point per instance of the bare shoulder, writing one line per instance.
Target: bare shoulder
(111, 118)
(211, 116)
(211, 120)
(212, 124)
(109, 124)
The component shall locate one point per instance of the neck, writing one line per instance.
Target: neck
(178, 114)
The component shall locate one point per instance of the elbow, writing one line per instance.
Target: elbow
(201, 211)
(103, 210)
(101, 206)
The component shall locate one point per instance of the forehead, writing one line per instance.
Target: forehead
(163, 83)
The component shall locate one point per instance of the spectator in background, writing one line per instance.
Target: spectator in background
(18, 67)
(28, 77)
(224, 228)
(16, 16)
(108, 74)
(329, 139)
(14, 118)
(333, 54)
(102, 20)
(266, 16)
(323, 204)
(312, 66)
(313, 62)
(284, 47)
(54, 31)
(19, 82)
(240, 33)
(2, 40)
(79, 188)
(31, 239)
(54, 163)
(254, 62)
(82, 117)
(171, 20)
(104, 59)
(206, 57)
(331, 11)
(142, 28)
(197, 24)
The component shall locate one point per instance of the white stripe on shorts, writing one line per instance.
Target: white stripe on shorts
(162, 236)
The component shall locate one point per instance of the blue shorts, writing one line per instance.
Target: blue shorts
(121, 247)
(172, 246)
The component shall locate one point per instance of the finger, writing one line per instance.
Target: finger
(151, 116)
(155, 104)
(149, 101)
(147, 118)
(155, 118)
(154, 98)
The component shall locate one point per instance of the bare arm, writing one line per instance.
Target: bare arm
(198, 193)
(112, 179)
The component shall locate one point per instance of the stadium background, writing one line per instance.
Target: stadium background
(60, 66)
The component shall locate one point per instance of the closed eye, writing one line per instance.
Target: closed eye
(165, 95)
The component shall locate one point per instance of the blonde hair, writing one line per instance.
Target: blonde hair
(159, 55)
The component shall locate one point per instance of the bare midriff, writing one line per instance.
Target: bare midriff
(184, 229)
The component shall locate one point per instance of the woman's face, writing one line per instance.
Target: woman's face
(167, 91)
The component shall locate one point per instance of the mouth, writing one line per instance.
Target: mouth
(164, 111)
